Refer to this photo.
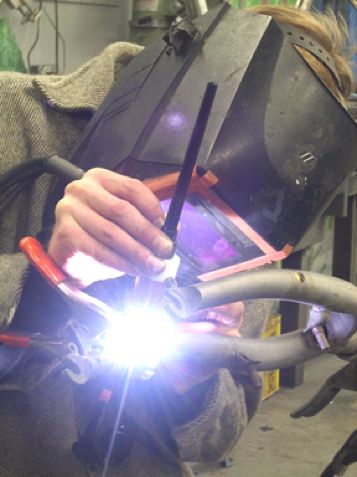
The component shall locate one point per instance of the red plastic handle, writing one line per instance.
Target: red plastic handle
(36, 254)
(17, 341)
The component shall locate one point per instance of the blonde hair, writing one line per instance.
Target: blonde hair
(327, 30)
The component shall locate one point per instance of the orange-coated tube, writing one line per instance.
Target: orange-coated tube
(37, 256)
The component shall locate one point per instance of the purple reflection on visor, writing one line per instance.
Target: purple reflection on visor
(201, 240)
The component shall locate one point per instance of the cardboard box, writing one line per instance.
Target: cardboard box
(271, 379)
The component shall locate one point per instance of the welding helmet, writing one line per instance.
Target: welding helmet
(277, 144)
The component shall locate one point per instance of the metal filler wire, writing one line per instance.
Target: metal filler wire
(119, 415)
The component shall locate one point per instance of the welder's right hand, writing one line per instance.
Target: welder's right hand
(108, 224)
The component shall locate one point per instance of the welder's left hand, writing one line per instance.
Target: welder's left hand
(224, 320)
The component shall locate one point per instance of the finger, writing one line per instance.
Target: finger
(109, 235)
(83, 258)
(196, 327)
(208, 327)
(227, 331)
(130, 219)
(131, 190)
(233, 309)
(231, 314)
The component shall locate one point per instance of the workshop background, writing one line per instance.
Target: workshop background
(57, 36)
(60, 35)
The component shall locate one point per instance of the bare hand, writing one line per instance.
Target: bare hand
(224, 320)
(108, 224)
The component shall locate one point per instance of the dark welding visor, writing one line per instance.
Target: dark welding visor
(277, 145)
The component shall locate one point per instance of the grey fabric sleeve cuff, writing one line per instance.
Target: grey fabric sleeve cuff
(13, 272)
(214, 432)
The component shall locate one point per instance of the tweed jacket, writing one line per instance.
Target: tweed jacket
(40, 116)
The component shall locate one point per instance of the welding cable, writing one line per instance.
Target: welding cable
(12, 193)
(9, 196)
(33, 168)
(18, 178)
(20, 173)
(60, 167)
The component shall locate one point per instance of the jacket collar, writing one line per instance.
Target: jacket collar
(86, 88)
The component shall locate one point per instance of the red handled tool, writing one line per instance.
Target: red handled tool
(56, 278)
(15, 340)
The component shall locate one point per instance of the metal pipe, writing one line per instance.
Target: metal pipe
(287, 285)
(238, 354)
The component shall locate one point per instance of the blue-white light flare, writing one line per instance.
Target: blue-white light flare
(141, 338)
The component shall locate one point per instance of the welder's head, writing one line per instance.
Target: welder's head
(278, 127)
(328, 31)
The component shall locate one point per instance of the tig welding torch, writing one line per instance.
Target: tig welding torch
(146, 289)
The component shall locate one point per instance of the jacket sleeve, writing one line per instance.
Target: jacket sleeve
(219, 423)
(203, 424)
(13, 271)
(43, 115)
(223, 405)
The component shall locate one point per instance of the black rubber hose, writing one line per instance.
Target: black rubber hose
(35, 167)
(62, 168)
(21, 172)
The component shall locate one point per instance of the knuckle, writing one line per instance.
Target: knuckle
(135, 184)
(63, 239)
(95, 172)
(66, 229)
(148, 231)
(133, 187)
(140, 256)
(94, 250)
(63, 208)
(74, 187)
(121, 210)
(109, 233)
(149, 234)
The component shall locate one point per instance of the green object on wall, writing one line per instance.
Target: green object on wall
(10, 53)
(252, 3)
